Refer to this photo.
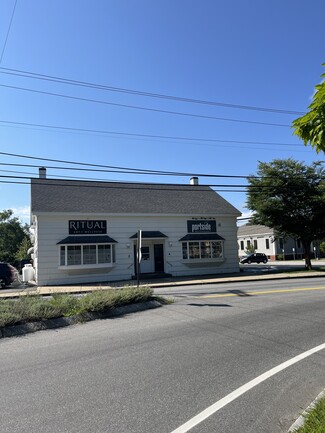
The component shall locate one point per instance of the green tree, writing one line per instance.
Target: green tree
(250, 249)
(311, 126)
(22, 252)
(289, 197)
(12, 234)
(322, 248)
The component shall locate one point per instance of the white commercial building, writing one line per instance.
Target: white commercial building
(263, 240)
(86, 231)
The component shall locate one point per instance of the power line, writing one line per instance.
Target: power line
(11, 182)
(137, 107)
(33, 75)
(118, 169)
(89, 183)
(121, 185)
(130, 186)
(8, 31)
(164, 137)
(32, 175)
(125, 171)
(110, 167)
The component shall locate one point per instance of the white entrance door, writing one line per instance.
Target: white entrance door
(147, 261)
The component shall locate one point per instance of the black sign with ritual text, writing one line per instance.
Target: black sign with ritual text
(87, 227)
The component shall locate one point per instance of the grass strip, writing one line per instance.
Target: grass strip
(315, 419)
(35, 308)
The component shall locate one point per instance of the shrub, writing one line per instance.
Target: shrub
(35, 308)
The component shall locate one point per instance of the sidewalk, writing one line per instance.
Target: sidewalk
(164, 282)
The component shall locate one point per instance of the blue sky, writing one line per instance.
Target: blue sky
(255, 53)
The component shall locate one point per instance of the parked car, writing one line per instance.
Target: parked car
(254, 258)
(7, 275)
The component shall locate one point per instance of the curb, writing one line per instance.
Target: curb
(26, 328)
(301, 420)
(223, 280)
(49, 290)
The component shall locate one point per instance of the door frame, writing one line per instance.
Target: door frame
(152, 244)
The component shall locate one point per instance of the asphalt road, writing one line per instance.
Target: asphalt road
(279, 265)
(151, 372)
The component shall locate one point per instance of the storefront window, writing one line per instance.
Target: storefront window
(205, 250)
(217, 250)
(72, 255)
(104, 253)
(62, 256)
(89, 254)
(194, 250)
(202, 250)
(184, 248)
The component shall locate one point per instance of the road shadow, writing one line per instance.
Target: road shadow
(239, 293)
(209, 305)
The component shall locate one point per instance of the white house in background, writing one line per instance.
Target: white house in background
(263, 239)
(85, 231)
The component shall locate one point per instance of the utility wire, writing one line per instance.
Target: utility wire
(61, 80)
(117, 169)
(8, 31)
(28, 183)
(129, 134)
(137, 107)
(32, 175)
(110, 167)
(132, 186)
(126, 171)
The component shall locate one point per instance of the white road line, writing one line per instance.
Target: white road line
(244, 388)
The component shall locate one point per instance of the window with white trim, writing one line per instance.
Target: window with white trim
(201, 250)
(93, 254)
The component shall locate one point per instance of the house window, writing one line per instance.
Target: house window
(255, 244)
(267, 244)
(242, 247)
(248, 244)
(298, 243)
(104, 254)
(202, 250)
(72, 255)
(89, 254)
(145, 253)
(194, 250)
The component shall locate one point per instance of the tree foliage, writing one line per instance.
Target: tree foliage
(289, 197)
(250, 249)
(12, 235)
(311, 126)
(322, 247)
(22, 251)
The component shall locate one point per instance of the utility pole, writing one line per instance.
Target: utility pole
(139, 255)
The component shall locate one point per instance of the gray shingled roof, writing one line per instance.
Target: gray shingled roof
(54, 195)
(254, 229)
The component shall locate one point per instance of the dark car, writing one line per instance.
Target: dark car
(7, 275)
(254, 258)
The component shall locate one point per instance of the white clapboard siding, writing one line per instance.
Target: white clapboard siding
(52, 227)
